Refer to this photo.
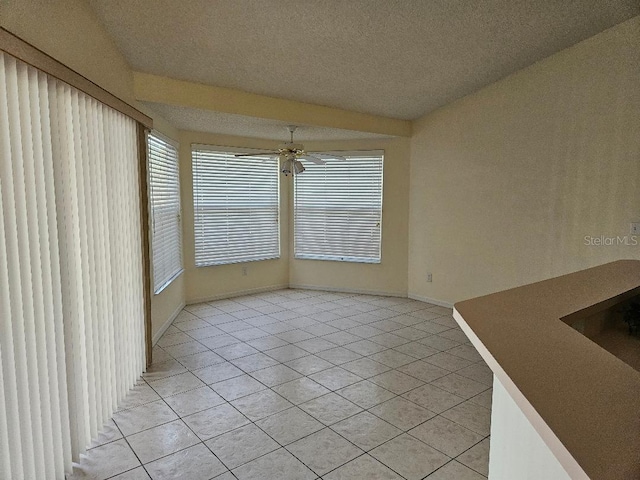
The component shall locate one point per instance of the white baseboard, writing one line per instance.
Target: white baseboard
(271, 288)
(348, 290)
(238, 293)
(431, 300)
(167, 324)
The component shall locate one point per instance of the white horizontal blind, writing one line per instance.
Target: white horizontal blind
(236, 207)
(338, 209)
(164, 188)
(71, 299)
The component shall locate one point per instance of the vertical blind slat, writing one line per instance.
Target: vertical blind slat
(57, 123)
(12, 457)
(38, 246)
(17, 259)
(54, 324)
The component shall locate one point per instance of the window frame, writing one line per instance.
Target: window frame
(227, 150)
(341, 258)
(159, 288)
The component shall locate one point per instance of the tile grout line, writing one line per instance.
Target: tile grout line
(324, 427)
(296, 406)
(401, 395)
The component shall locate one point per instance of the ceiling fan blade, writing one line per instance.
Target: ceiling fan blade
(261, 154)
(329, 155)
(313, 159)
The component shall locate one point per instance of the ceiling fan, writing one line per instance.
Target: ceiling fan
(290, 154)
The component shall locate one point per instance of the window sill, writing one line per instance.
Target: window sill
(168, 282)
(339, 259)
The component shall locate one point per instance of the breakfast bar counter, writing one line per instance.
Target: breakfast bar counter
(564, 407)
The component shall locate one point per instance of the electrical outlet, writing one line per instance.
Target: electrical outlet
(635, 228)
(244, 271)
(429, 277)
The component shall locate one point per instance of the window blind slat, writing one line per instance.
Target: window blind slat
(166, 238)
(236, 207)
(338, 209)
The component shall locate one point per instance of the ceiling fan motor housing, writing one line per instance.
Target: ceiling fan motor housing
(291, 147)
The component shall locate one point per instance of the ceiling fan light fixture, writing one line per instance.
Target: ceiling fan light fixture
(287, 167)
(298, 167)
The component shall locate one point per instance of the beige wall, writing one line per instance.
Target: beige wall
(204, 283)
(69, 31)
(166, 305)
(507, 182)
(389, 276)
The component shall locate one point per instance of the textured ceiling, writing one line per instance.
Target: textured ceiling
(397, 58)
(197, 120)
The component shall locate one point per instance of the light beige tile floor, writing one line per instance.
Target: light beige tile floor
(295, 385)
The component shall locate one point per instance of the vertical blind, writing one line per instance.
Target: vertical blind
(71, 299)
(164, 183)
(338, 209)
(236, 207)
